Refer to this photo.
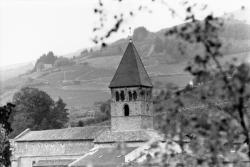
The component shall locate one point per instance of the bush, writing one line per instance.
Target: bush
(36, 110)
(80, 123)
(48, 58)
(63, 61)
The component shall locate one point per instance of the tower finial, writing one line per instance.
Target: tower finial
(130, 36)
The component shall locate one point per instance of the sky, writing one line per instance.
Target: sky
(29, 28)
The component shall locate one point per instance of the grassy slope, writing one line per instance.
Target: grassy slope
(96, 76)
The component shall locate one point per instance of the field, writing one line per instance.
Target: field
(86, 82)
(94, 79)
(77, 97)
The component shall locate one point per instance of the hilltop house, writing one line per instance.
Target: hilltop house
(43, 67)
(131, 122)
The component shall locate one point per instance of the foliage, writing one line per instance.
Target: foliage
(63, 61)
(59, 114)
(36, 110)
(48, 58)
(92, 121)
(80, 123)
(222, 119)
(140, 34)
(5, 129)
(222, 125)
(102, 114)
(84, 53)
(106, 108)
(176, 48)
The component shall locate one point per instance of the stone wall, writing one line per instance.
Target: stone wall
(140, 109)
(28, 161)
(39, 148)
(117, 108)
(25, 153)
(126, 123)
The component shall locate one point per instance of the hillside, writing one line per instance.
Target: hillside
(14, 70)
(82, 84)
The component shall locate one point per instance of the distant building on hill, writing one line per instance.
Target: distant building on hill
(131, 123)
(47, 66)
(39, 67)
(43, 67)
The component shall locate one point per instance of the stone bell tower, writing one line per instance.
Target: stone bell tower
(131, 93)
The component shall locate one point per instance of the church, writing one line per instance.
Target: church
(131, 127)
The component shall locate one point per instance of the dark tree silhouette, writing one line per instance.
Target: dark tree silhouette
(222, 89)
(5, 130)
(36, 110)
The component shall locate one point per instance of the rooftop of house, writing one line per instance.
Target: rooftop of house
(53, 163)
(98, 134)
(108, 156)
(75, 133)
(109, 136)
(130, 71)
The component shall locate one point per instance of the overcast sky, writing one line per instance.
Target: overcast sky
(29, 28)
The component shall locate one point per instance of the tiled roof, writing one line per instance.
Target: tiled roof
(53, 163)
(125, 136)
(111, 157)
(130, 71)
(76, 133)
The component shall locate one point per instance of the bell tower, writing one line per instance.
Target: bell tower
(131, 94)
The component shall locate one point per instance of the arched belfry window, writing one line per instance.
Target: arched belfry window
(126, 110)
(122, 96)
(134, 95)
(130, 96)
(149, 94)
(142, 94)
(117, 96)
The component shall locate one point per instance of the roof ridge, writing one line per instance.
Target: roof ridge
(77, 127)
(75, 133)
(140, 60)
(22, 133)
(136, 57)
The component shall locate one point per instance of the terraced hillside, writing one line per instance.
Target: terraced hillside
(82, 84)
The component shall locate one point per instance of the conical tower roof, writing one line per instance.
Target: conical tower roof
(130, 72)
